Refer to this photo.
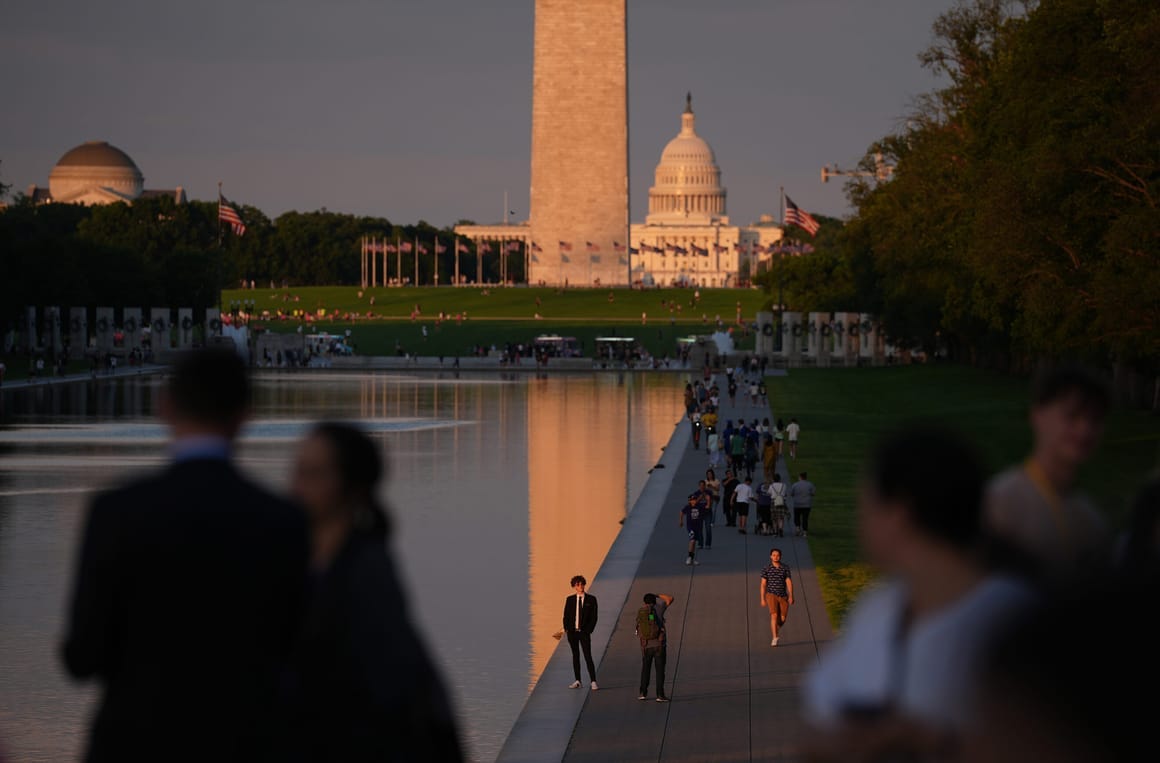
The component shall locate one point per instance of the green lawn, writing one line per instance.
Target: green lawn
(503, 315)
(515, 303)
(842, 411)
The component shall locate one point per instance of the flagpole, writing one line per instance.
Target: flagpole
(416, 259)
(456, 283)
(221, 256)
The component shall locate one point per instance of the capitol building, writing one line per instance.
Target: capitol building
(97, 173)
(686, 238)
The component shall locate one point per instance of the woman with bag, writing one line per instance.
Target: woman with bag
(777, 494)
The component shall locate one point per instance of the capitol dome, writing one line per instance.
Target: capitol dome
(687, 188)
(95, 166)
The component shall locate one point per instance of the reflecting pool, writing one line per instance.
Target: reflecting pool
(501, 488)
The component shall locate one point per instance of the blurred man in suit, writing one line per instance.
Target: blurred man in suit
(189, 588)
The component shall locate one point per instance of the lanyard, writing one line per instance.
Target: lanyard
(1049, 494)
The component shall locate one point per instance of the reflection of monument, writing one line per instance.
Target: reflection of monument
(579, 436)
(97, 173)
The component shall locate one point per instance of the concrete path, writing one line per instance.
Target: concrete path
(734, 697)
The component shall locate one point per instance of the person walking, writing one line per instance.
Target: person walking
(367, 688)
(650, 629)
(580, 615)
(742, 495)
(778, 492)
(764, 510)
(776, 592)
(753, 392)
(768, 456)
(801, 496)
(737, 449)
(713, 491)
(792, 431)
(691, 517)
(189, 588)
(1035, 517)
(728, 486)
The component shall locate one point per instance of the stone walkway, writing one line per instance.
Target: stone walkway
(734, 697)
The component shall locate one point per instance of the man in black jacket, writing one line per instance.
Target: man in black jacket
(189, 589)
(579, 622)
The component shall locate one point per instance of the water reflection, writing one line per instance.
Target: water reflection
(501, 489)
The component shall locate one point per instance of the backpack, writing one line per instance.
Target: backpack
(648, 626)
(779, 496)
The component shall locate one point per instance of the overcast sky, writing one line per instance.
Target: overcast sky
(421, 109)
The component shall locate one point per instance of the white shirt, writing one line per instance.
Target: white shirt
(743, 493)
(930, 674)
(792, 430)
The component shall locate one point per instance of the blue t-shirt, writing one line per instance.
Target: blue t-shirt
(775, 578)
(694, 515)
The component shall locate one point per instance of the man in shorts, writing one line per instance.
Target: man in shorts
(791, 433)
(692, 517)
(741, 498)
(776, 591)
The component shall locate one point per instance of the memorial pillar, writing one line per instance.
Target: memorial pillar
(159, 329)
(105, 329)
(184, 327)
(78, 331)
(131, 326)
(766, 334)
(866, 337)
(840, 337)
(792, 338)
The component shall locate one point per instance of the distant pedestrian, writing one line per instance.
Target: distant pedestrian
(768, 456)
(801, 495)
(742, 496)
(764, 510)
(650, 629)
(580, 615)
(737, 449)
(778, 492)
(713, 490)
(792, 430)
(728, 486)
(753, 392)
(692, 519)
(776, 592)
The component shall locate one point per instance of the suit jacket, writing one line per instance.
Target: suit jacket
(587, 614)
(188, 593)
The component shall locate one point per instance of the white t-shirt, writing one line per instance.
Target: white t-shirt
(743, 493)
(930, 675)
(792, 430)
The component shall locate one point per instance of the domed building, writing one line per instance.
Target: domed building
(97, 173)
(686, 237)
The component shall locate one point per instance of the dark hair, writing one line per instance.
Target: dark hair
(938, 476)
(1067, 380)
(775, 548)
(650, 598)
(210, 385)
(710, 471)
(803, 476)
(578, 579)
(361, 467)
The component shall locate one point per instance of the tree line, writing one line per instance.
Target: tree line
(158, 252)
(1021, 221)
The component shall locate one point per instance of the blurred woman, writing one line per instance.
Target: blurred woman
(768, 457)
(365, 687)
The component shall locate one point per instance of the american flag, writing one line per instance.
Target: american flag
(461, 248)
(718, 248)
(405, 246)
(566, 246)
(439, 248)
(536, 248)
(617, 246)
(794, 215)
(513, 246)
(634, 250)
(484, 246)
(591, 247)
(422, 249)
(390, 248)
(229, 215)
(698, 250)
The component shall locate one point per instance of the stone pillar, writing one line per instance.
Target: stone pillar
(820, 330)
(28, 336)
(813, 336)
(51, 328)
(867, 337)
(159, 329)
(792, 339)
(766, 334)
(105, 328)
(184, 327)
(78, 331)
(840, 337)
(213, 323)
(131, 326)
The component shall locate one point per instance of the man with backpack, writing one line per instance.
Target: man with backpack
(650, 629)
